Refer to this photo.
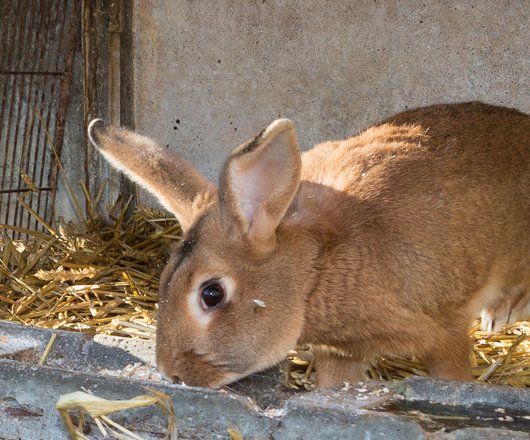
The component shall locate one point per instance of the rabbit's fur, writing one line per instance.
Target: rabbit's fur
(387, 243)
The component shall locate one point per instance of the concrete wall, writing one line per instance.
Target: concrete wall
(209, 74)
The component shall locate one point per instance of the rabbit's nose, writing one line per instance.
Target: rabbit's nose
(170, 377)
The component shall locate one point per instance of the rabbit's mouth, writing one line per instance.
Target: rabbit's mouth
(193, 369)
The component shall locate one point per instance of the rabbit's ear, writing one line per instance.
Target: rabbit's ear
(260, 180)
(171, 179)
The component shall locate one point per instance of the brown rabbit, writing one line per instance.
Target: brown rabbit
(386, 243)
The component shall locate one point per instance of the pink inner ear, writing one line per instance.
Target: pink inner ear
(256, 181)
(264, 180)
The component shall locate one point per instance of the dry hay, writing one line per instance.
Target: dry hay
(86, 405)
(93, 276)
(102, 277)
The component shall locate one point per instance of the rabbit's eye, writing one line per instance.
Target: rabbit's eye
(211, 295)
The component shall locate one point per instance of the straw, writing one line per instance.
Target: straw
(85, 403)
(47, 349)
(92, 276)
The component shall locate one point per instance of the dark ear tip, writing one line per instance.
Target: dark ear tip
(95, 128)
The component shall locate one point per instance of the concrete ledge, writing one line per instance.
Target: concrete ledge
(28, 395)
(466, 394)
(336, 416)
(416, 408)
(483, 434)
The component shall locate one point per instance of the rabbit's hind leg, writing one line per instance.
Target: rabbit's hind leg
(449, 357)
(334, 369)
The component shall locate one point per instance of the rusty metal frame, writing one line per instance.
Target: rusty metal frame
(107, 85)
(38, 39)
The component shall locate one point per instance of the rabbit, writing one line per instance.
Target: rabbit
(388, 243)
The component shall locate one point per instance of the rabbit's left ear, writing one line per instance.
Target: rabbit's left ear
(260, 180)
(176, 183)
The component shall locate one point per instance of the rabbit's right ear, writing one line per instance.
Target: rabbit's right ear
(175, 183)
(259, 181)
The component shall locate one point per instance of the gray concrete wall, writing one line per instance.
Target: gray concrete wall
(225, 68)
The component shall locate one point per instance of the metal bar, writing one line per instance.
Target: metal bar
(71, 43)
(38, 54)
(18, 209)
(8, 31)
(23, 190)
(4, 58)
(8, 15)
(58, 46)
(87, 97)
(39, 139)
(8, 92)
(127, 187)
(24, 16)
(14, 106)
(48, 117)
(29, 72)
(4, 9)
(31, 102)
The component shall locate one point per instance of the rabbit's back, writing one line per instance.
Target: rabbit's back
(459, 142)
(438, 198)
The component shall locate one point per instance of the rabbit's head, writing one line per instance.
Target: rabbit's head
(230, 301)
